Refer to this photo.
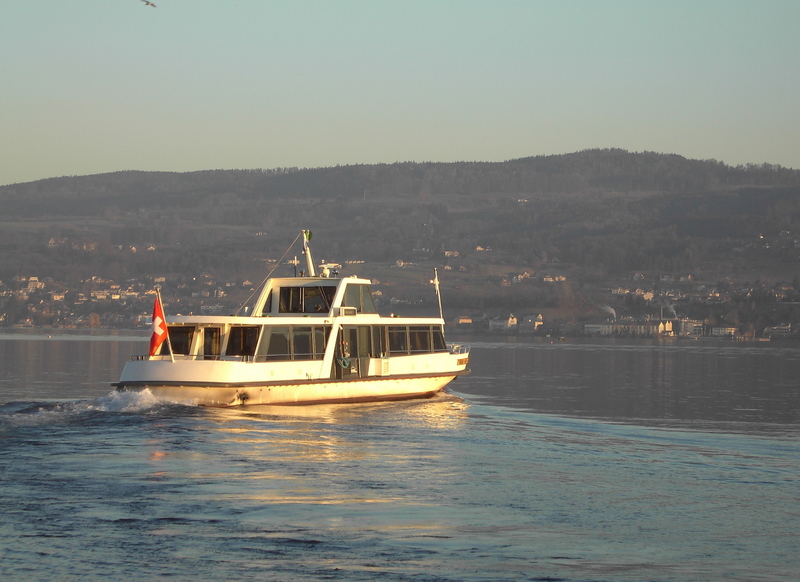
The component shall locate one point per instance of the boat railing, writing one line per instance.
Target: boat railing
(458, 348)
(230, 358)
(167, 357)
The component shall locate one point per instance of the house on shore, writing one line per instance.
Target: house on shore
(531, 323)
(503, 323)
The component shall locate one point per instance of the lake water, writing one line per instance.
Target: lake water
(570, 461)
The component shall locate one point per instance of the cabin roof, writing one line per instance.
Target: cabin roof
(314, 281)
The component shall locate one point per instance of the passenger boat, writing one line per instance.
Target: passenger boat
(305, 339)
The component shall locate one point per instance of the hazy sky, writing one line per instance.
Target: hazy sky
(91, 86)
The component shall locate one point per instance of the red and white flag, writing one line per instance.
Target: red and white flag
(159, 327)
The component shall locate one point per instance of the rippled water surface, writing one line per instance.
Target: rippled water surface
(573, 461)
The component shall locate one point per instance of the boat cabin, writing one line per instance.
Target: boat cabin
(315, 296)
(293, 319)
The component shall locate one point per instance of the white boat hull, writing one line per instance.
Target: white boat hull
(301, 392)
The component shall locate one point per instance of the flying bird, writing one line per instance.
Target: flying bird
(146, 3)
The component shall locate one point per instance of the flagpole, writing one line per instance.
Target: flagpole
(169, 343)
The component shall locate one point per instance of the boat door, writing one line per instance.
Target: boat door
(354, 345)
(211, 343)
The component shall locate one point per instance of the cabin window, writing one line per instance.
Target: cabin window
(398, 339)
(414, 339)
(439, 344)
(180, 338)
(301, 343)
(360, 297)
(275, 344)
(293, 343)
(320, 339)
(328, 292)
(291, 300)
(318, 299)
(268, 305)
(419, 339)
(367, 302)
(242, 341)
(211, 343)
(378, 341)
(315, 299)
(352, 297)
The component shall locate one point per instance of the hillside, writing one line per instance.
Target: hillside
(604, 208)
(597, 216)
(587, 172)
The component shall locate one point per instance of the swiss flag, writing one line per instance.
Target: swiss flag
(159, 327)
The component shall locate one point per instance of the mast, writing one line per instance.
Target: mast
(307, 252)
(436, 286)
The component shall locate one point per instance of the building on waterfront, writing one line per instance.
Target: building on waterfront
(652, 328)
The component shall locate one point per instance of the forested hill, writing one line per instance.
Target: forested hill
(590, 171)
(601, 212)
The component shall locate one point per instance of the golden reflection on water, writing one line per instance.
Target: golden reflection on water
(440, 411)
(276, 455)
(292, 432)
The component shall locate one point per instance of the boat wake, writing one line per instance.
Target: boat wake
(35, 413)
(139, 401)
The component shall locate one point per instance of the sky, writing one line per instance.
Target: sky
(94, 86)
